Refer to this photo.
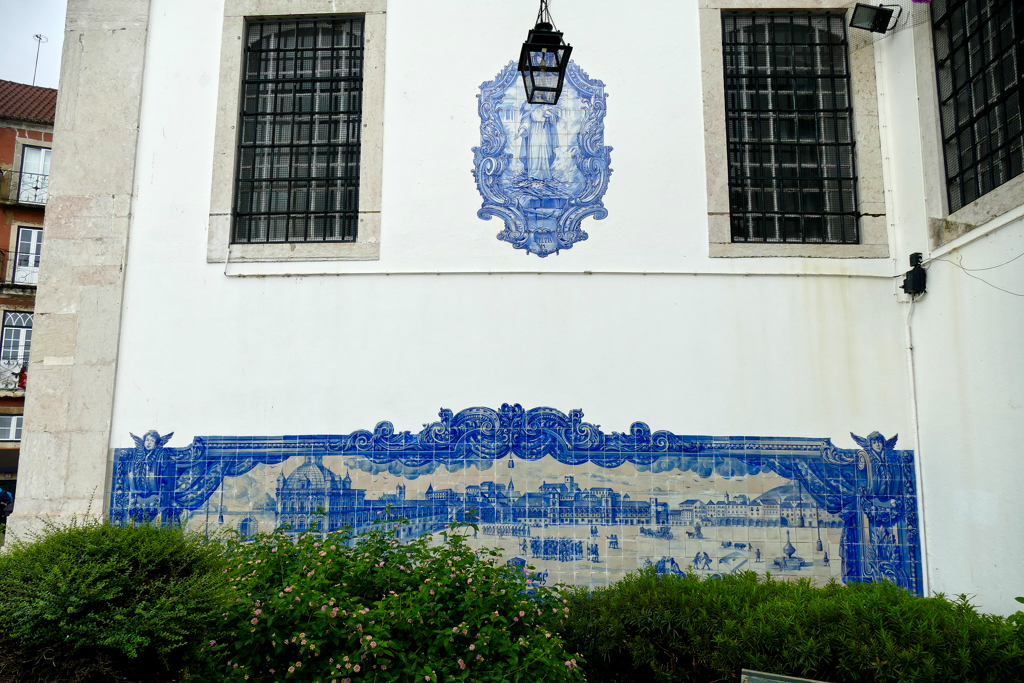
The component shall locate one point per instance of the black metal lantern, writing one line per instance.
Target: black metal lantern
(872, 18)
(543, 60)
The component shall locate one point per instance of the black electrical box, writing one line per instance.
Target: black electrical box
(916, 278)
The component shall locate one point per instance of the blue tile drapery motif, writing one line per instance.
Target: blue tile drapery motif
(542, 168)
(869, 490)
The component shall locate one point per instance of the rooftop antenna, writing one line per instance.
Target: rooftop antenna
(40, 39)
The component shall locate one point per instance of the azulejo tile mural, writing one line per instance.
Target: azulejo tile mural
(542, 168)
(554, 491)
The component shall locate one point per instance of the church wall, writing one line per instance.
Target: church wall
(635, 324)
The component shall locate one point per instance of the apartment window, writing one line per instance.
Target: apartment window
(35, 175)
(10, 427)
(979, 53)
(26, 264)
(300, 129)
(789, 129)
(17, 336)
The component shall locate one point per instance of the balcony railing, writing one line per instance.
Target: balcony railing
(13, 374)
(25, 271)
(17, 187)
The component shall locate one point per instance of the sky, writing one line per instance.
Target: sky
(21, 20)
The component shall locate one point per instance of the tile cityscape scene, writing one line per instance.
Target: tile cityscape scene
(555, 492)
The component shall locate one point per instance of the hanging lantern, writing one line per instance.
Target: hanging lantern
(543, 60)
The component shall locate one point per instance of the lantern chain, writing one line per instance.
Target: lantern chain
(544, 14)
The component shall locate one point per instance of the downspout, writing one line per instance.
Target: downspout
(915, 428)
(888, 174)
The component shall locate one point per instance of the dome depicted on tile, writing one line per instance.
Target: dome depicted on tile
(542, 168)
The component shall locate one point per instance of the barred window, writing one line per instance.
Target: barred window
(789, 128)
(298, 149)
(979, 54)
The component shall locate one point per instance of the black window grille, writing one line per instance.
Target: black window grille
(298, 150)
(789, 128)
(978, 55)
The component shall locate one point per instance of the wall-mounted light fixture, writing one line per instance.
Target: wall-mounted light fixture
(543, 60)
(875, 18)
(917, 277)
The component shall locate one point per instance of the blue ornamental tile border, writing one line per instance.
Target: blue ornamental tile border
(869, 492)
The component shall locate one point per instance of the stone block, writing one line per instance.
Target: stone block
(54, 334)
(47, 404)
(719, 228)
(82, 253)
(94, 162)
(91, 398)
(99, 323)
(111, 63)
(107, 15)
(87, 469)
(67, 216)
(42, 471)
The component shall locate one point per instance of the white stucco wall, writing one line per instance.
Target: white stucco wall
(970, 397)
(205, 353)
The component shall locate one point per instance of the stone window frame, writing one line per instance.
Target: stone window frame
(873, 226)
(943, 226)
(222, 193)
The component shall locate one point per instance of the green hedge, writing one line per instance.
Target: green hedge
(91, 602)
(650, 628)
(95, 602)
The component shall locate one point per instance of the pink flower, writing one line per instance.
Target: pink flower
(356, 668)
(472, 647)
(373, 643)
(462, 664)
(291, 669)
(288, 589)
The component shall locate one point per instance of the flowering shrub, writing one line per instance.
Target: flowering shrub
(330, 608)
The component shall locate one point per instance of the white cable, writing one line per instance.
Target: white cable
(918, 468)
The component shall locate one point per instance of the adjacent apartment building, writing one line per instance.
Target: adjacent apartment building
(26, 136)
(309, 259)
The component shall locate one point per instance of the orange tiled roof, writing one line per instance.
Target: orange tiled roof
(27, 102)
